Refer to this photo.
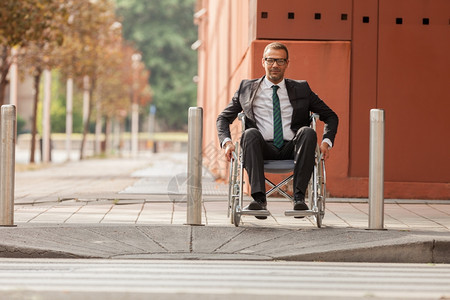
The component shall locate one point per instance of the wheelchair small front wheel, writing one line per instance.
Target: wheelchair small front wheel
(237, 216)
(235, 209)
(319, 215)
(232, 212)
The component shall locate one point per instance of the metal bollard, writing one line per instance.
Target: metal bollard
(194, 175)
(376, 170)
(69, 116)
(7, 151)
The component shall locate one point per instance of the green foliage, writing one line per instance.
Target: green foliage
(87, 36)
(81, 39)
(164, 31)
(58, 107)
(20, 124)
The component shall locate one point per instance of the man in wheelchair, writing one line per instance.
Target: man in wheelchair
(277, 118)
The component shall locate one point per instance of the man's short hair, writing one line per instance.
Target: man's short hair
(277, 46)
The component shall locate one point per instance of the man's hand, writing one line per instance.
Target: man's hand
(325, 150)
(228, 149)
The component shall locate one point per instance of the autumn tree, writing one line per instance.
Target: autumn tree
(81, 38)
(91, 33)
(24, 22)
(41, 54)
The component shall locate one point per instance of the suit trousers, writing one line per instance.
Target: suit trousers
(301, 149)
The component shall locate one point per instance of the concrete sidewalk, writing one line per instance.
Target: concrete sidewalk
(136, 208)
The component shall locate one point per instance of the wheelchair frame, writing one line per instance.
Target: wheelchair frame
(316, 192)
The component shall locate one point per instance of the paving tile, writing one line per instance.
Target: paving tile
(123, 214)
(156, 213)
(97, 183)
(351, 214)
(445, 208)
(27, 213)
(57, 214)
(90, 214)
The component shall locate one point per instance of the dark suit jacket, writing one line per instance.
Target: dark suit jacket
(303, 101)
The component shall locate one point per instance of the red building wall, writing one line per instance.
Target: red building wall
(356, 57)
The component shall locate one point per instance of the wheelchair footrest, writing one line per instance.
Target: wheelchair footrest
(249, 212)
(299, 213)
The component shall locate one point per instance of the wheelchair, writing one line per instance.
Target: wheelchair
(316, 191)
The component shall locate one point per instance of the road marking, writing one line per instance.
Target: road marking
(413, 281)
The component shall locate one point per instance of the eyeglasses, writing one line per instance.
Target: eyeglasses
(271, 61)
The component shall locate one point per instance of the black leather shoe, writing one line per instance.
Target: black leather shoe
(256, 205)
(300, 205)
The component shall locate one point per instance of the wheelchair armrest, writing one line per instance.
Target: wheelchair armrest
(313, 117)
(313, 120)
(235, 157)
(241, 117)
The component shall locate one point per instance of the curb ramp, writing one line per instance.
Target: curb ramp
(224, 243)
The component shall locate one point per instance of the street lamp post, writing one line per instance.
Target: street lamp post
(86, 100)
(136, 58)
(13, 78)
(46, 131)
(69, 116)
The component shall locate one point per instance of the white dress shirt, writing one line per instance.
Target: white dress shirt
(263, 110)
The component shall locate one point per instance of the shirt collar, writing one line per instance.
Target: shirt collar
(268, 83)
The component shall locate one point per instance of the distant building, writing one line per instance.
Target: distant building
(24, 101)
(356, 55)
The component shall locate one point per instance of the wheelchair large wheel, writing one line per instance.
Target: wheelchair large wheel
(322, 190)
(317, 208)
(310, 194)
(316, 203)
(312, 201)
(230, 189)
(235, 190)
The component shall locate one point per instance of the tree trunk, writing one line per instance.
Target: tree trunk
(98, 127)
(86, 124)
(46, 122)
(2, 91)
(37, 79)
(108, 130)
(4, 69)
(85, 131)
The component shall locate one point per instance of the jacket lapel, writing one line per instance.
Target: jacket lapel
(253, 89)
(290, 89)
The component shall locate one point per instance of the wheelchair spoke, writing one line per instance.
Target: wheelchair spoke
(235, 187)
(230, 187)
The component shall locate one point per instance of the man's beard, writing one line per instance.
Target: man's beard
(275, 77)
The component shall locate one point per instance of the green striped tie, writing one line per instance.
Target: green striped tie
(277, 126)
